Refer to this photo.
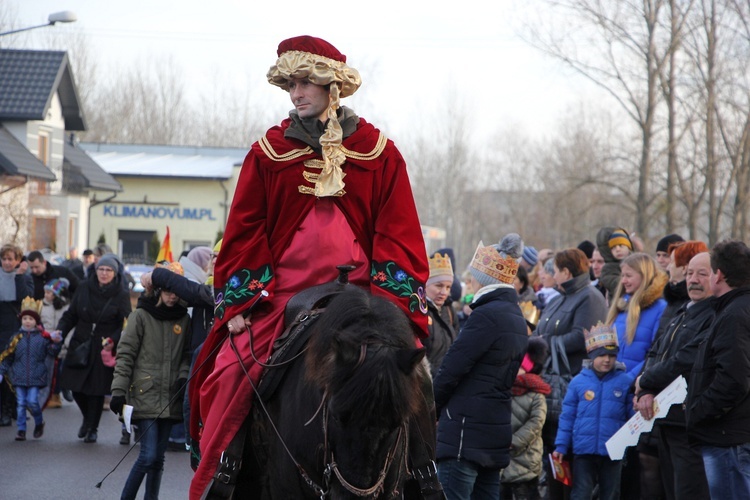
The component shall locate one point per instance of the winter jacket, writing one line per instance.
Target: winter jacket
(594, 409)
(472, 387)
(198, 296)
(718, 402)
(633, 354)
(676, 296)
(27, 363)
(50, 273)
(9, 320)
(528, 413)
(674, 353)
(442, 326)
(610, 276)
(579, 307)
(106, 307)
(151, 357)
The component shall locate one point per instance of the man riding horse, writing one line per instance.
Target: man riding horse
(324, 188)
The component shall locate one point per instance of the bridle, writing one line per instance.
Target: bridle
(331, 467)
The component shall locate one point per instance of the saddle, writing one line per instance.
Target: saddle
(302, 310)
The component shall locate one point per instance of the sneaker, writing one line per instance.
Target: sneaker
(125, 438)
(54, 401)
(39, 431)
(90, 437)
(68, 395)
(21, 436)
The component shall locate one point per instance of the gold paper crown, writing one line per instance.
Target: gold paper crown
(29, 304)
(175, 267)
(440, 265)
(488, 260)
(530, 312)
(601, 336)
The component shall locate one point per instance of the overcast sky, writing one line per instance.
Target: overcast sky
(411, 53)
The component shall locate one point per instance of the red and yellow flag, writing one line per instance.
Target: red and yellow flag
(165, 252)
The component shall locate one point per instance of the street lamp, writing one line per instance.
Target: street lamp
(65, 16)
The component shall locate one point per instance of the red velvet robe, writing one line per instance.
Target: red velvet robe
(273, 203)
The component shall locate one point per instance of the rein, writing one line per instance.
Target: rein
(331, 466)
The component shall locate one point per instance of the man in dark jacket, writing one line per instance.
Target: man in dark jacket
(472, 387)
(681, 463)
(42, 272)
(718, 402)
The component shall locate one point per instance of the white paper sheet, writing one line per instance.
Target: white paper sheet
(127, 413)
(629, 433)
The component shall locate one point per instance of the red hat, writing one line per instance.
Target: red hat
(319, 62)
(312, 45)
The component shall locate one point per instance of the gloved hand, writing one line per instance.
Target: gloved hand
(116, 404)
(179, 387)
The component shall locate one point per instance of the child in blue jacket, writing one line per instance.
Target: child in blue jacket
(25, 360)
(596, 405)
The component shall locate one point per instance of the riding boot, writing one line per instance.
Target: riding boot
(422, 444)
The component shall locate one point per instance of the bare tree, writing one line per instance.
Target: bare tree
(625, 55)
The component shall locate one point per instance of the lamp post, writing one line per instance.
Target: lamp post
(65, 16)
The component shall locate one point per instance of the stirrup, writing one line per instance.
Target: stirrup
(429, 485)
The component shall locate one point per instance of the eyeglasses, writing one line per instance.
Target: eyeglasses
(104, 270)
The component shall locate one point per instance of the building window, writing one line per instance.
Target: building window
(43, 149)
(43, 233)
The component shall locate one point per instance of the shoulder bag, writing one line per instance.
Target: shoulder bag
(557, 374)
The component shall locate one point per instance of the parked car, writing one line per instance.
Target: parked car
(135, 271)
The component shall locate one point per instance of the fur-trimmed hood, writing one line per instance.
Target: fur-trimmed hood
(653, 293)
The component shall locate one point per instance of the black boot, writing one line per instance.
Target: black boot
(90, 437)
(125, 438)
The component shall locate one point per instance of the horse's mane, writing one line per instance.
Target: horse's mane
(378, 388)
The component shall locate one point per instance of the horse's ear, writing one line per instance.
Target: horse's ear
(408, 359)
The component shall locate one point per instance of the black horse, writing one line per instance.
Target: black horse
(342, 414)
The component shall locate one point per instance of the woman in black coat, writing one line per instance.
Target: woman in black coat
(472, 387)
(97, 312)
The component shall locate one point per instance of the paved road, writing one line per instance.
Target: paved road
(60, 466)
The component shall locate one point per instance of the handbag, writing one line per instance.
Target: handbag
(79, 357)
(557, 374)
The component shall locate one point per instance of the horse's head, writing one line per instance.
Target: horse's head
(362, 356)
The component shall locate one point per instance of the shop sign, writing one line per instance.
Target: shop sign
(157, 212)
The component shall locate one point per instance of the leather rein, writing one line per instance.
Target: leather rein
(331, 467)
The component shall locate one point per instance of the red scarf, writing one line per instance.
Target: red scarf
(529, 382)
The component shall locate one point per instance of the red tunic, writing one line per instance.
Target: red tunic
(282, 239)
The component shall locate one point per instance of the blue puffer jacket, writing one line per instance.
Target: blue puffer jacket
(26, 364)
(652, 306)
(472, 387)
(593, 410)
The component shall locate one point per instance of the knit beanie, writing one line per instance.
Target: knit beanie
(200, 256)
(495, 264)
(664, 243)
(530, 255)
(620, 237)
(109, 260)
(57, 285)
(587, 248)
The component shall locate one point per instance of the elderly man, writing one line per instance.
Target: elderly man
(42, 272)
(323, 188)
(673, 355)
(718, 403)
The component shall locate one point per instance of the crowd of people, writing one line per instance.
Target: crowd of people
(622, 325)
(536, 357)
